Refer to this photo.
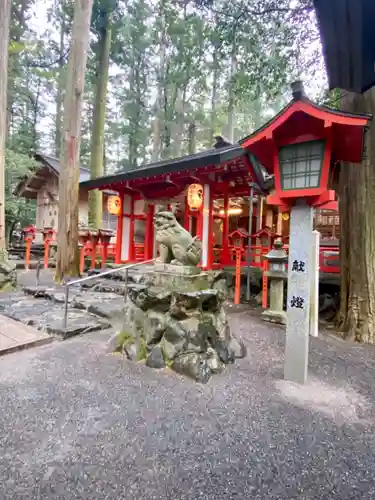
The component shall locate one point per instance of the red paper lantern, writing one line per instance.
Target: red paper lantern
(195, 196)
(114, 205)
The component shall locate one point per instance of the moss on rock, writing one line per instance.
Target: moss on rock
(124, 339)
(141, 350)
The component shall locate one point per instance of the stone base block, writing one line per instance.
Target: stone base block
(179, 281)
(274, 316)
(175, 269)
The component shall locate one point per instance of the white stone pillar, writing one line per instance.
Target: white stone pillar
(299, 291)
(125, 242)
(206, 224)
(314, 305)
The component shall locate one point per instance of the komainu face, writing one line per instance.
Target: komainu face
(165, 220)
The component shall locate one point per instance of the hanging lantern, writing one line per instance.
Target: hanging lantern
(285, 216)
(114, 205)
(195, 196)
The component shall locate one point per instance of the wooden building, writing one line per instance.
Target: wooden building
(42, 185)
(234, 188)
(233, 212)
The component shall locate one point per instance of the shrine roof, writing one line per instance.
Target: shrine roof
(302, 120)
(28, 187)
(193, 162)
(335, 113)
(346, 30)
(54, 163)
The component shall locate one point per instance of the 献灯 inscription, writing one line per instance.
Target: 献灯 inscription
(298, 301)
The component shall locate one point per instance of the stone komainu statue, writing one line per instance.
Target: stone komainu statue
(176, 245)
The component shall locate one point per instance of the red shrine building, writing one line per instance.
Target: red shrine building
(228, 196)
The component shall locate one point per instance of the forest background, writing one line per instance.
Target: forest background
(163, 78)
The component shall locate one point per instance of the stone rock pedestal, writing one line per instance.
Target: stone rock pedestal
(8, 275)
(174, 319)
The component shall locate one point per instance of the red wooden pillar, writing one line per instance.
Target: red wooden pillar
(199, 230)
(131, 232)
(187, 215)
(119, 230)
(225, 257)
(206, 225)
(149, 233)
(210, 256)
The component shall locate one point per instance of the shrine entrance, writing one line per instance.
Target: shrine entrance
(221, 177)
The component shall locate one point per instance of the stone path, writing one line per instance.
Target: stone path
(80, 423)
(96, 305)
(15, 335)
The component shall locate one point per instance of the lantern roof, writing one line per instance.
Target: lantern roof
(242, 233)
(302, 120)
(266, 231)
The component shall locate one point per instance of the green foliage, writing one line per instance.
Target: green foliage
(212, 67)
(17, 167)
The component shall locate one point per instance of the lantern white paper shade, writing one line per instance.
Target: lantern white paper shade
(301, 165)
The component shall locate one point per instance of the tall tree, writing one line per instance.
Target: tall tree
(67, 236)
(357, 233)
(5, 13)
(102, 16)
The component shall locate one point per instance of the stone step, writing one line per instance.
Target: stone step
(43, 309)
(105, 286)
(107, 305)
(15, 336)
(134, 274)
(103, 304)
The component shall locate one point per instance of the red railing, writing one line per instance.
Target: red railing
(329, 256)
(139, 252)
(329, 259)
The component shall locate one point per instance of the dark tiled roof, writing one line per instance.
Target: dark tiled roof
(197, 160)
(54, 164)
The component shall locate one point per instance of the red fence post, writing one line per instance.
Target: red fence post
(265, 285)
(237, 289)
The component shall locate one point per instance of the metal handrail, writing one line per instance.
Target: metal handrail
(100, 275)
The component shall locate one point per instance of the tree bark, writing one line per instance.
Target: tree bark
(215, 75)
(5, 13)
(356, 318)
(180, 121)
(97, 136)
(231, 95)
(67, 236)
(59, 95)
(192, 139)
(158, 125)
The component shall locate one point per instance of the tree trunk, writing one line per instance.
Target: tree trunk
(59, 95)
(97, 136)
(215, 75)
(356, 318)
(5, 12)
(231, 96)
(67, 237)
(192, 143)
(180, 121)
(158, 124)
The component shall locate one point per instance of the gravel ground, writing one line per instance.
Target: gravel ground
(79, 423)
